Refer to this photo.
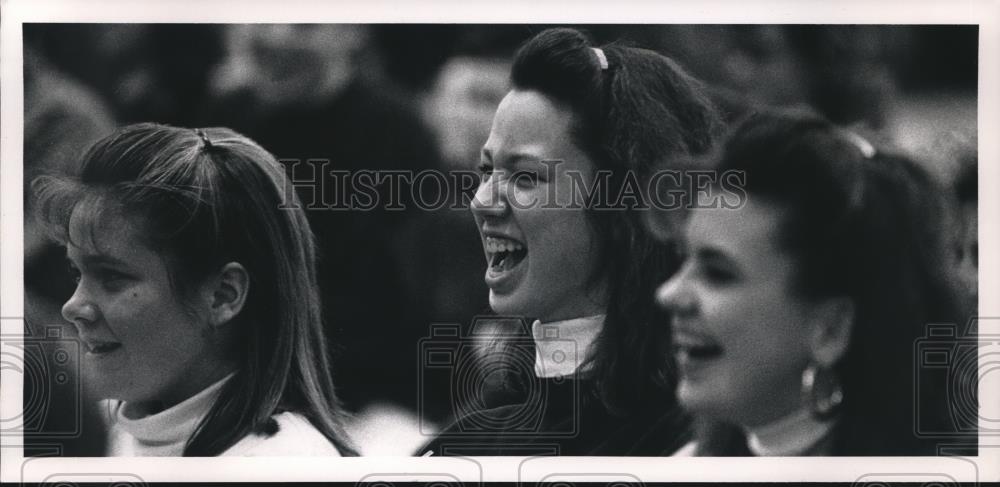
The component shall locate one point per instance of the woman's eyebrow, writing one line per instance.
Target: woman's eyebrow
(520, 159)
(712, 254)
(101, 259)
(527, 159)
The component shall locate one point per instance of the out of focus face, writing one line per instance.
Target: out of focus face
(541, 252)
(739, 330)
(288, 64)
(462, 105)
(142, 342)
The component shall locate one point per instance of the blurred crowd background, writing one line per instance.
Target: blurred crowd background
(413, 97)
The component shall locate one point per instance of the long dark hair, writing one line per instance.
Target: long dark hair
(638, 113)
(871, 226)
(208, 198)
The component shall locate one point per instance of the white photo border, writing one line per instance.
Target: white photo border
(15, 468)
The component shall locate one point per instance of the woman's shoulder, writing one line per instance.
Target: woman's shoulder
(296, 436)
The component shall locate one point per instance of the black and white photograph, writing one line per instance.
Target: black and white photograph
(651, 240)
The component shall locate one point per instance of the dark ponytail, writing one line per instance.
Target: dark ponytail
(636, 114)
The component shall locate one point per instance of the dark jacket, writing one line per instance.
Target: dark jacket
(562, 416)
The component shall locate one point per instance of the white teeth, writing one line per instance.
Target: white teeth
(494, 245)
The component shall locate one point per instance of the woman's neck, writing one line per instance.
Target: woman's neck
(188, 386)
(562, 346)
(195, 404)
(793, 435)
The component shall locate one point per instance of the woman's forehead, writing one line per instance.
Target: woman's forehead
(529, 124)
(754, 228)
(530, 116)
(102, 226)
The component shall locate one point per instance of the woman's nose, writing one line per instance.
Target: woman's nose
(80, 309)
(489, 200)
(675, 295)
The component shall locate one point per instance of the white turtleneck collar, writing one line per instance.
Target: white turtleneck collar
(561, 346)
(166, 432)
(792, 435)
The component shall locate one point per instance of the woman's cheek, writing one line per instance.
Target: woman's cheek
(720, 313)
(135, 311)
(530, 199)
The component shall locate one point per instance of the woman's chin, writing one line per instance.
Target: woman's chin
(505, 304)
(513, 304)
(697, 400)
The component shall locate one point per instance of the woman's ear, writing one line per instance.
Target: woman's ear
(830, 330)
(227, 293)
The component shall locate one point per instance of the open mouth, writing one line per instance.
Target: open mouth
(703, 352)
(102, 348)
(504, 254)
(696, 348)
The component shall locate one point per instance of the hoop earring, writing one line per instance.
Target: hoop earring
(821, 390)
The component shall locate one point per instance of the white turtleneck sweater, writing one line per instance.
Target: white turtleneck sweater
(562, 346)
(165, 433)
(793, 435)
